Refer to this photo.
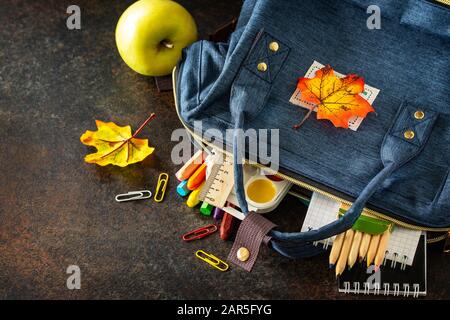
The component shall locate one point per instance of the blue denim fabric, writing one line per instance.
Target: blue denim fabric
(408, 59)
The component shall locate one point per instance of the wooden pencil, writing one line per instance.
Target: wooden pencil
(336, 249)
(343, 257)
(384, 240)
(365, 242)
(373, 247)
(354, 250)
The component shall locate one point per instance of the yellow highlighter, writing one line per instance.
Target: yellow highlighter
(193, 199)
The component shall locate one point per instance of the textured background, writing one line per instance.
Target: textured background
(56, 210)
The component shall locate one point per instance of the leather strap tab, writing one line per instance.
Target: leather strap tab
(252, 232)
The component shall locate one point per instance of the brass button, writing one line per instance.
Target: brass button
(409, 134)
(419, 114)
(243, 254)
(274, 46)
(262, 66)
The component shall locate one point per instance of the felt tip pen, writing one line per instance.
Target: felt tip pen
(197, 177)
(193, 199)
(189, 167)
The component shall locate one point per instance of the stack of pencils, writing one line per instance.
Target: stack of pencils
(352, 245)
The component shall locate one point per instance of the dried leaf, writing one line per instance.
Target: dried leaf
(336, 99)
(116, 145)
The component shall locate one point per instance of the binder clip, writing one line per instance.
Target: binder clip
(133, 195)
(212, 260)
(200, 233)
(163, 180)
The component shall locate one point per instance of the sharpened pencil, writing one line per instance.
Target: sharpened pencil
(336, 249)
(384, 240)
(373, 247)
(343, 257)
(354, 250)
(365, 242)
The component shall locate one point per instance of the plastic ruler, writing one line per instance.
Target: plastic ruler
(220, 181)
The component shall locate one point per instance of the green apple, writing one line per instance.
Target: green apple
(150, 35)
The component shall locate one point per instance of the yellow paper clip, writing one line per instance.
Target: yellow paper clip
(163, 180)
(212, 260)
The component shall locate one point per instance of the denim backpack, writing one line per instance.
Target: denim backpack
(407, 57)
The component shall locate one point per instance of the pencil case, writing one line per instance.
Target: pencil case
(395, 166)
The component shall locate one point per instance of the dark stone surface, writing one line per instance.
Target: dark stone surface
(56, 210)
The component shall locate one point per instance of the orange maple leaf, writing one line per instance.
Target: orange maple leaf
(336, 99)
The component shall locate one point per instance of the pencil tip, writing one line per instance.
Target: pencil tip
(331, 266)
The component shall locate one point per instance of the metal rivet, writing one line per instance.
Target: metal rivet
(419, 114)
(274, 46)
(409, 134)
(243, 254)
(262, 66)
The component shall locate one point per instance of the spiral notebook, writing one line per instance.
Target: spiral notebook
(402, 243)
(411, 282)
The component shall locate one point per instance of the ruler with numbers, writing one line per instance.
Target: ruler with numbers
(220, 181)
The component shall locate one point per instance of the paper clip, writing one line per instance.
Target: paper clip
(133, 195)
(163, 180)
(200, 233)
(212, 260)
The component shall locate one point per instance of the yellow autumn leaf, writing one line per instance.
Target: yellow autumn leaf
(116, 145)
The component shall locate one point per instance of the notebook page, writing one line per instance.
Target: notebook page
(402, 244)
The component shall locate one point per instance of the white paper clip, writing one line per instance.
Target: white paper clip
(133, 195)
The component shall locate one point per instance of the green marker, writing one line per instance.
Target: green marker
(206, 209)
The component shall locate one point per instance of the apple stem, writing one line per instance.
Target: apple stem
(167, 44)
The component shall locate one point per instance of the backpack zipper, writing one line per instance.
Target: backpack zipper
(299, 183)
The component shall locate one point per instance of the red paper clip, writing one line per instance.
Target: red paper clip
(200, 233)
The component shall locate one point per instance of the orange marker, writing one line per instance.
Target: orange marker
(197, 177)
(189, 167)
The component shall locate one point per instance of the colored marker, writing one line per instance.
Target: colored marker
(197, 177)
(206, 209)
(218, 214)
(193, 199)
(226, 226)
(189, 167)
(182, 189)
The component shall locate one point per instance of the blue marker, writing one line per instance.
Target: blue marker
(182, 188)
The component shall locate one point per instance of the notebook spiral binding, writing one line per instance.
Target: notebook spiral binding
(375, 289)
